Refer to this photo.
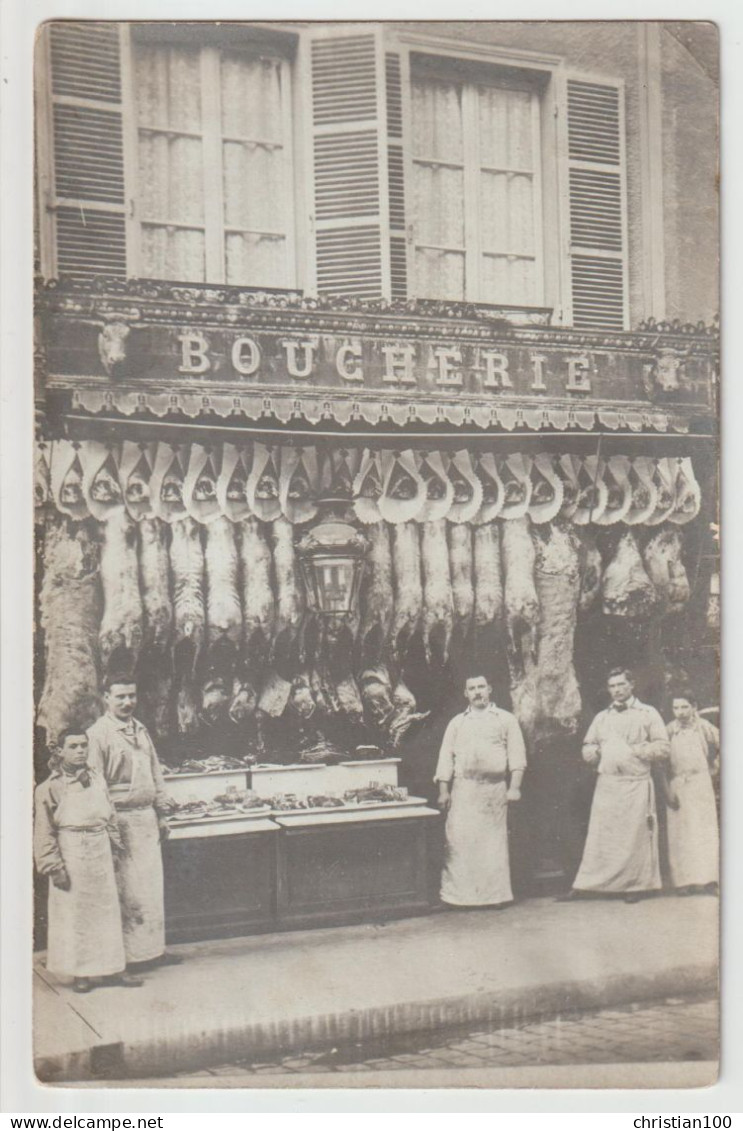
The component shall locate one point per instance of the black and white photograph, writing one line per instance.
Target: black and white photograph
(377, 554)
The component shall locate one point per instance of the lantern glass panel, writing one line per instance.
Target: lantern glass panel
(334, 583)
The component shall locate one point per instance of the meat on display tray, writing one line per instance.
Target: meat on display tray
(349, 807)
(258, 812)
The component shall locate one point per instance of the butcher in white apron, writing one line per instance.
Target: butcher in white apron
(621, 849)
(693, 835)
(74, 830)
(121, 748)
(480, 769)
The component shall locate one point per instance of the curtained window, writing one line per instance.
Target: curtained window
(477, 219)
(214, 165)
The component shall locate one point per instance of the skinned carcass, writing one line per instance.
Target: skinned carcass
(155, 670)
(376, 597)
(121, 630)
(627, 591)
(259, 603)
(487, 574)
(663, 560)
(461, 569)
(590, 568)
(223, 609)
(407, 589)
(70, 604)
(189, 615)
(520, 595)
(438, 601)
(290, 603)
(557, 578)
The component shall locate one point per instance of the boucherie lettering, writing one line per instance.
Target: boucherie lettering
(356, 364)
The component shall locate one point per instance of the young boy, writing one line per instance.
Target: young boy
(693, 836)
(74, 832)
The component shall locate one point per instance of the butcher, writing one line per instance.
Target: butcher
(693, 837)
(75, 835)
(480, 770)
(621, 850)
(122, 750)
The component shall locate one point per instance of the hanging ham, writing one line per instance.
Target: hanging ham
(438, 600)
(520, 595)
(259, 605)
(120, 636)
(461, 570)
(407, 588)
(376, 597)
(664, 563)
(223, 610)
(487, 574)
(626, 588)
(70, 603)
(290, 603)
(189, 608)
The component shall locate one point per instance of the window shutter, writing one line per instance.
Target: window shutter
(597, 192)
(396, 143)
(87, 185)
(349, 162)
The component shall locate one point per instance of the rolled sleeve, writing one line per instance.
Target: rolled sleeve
(445, 765)
(515, 746)
(657, 746)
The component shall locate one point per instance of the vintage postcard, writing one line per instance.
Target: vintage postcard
(377, 554)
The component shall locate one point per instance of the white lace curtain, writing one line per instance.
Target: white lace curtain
(474, 166)
(246, 148)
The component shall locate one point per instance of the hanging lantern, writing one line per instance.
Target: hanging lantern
(332, 556)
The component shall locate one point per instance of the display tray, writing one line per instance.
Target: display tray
(242, 815)
(206, 773)
(351, 807)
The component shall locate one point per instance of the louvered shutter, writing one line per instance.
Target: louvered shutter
(396, 87)
(349, 162)
(596, 172)
(87, 185)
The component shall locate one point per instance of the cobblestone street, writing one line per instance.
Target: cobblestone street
(672, 1030)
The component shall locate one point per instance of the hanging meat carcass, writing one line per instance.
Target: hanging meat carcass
(557, 578)
(156, 662)
(627, 590)
(520, 595)
(376, 597)
(487, 574)
(438, 601)
(590, 568)
(259, 603)
(120, 636)
(462, 585)
(189, 609)
(664, 563)
(70, 603)
(223, 609)
(407, 589)
(290, 602)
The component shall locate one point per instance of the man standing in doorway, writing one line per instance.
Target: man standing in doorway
(621, 850)
(122, 750)
(480, 770)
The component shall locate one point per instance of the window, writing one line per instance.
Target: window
(214, 196)
(476, 190)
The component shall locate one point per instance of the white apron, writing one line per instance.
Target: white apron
(139, 870)
(85, 934)
(693, 836)
(621, 850)
(476, 872)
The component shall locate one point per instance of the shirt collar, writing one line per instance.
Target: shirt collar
(123, 724)
(633, 701)
(472, 711)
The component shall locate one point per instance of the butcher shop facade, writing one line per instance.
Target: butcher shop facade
(368, 357)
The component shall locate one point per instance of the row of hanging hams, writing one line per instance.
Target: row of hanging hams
(226, 481)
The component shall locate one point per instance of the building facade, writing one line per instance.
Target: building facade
(459, 280)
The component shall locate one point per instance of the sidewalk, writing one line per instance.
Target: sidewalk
(270, 994)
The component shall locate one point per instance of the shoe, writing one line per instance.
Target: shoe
(83, 985)
(128, 981)
(169, 959)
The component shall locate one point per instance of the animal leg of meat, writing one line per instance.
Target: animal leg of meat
(407, 588)
(487, 574)
(626, 588)
(590, 568)
(259, 604)
(438, 602)
(290, 601)
(70, 613)
(520, 595)
(223, 609)
(461, 568)
(376, 597)
(154, 575)
(120, 637)
(557, 577)
(189, 606)
(665, 567)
